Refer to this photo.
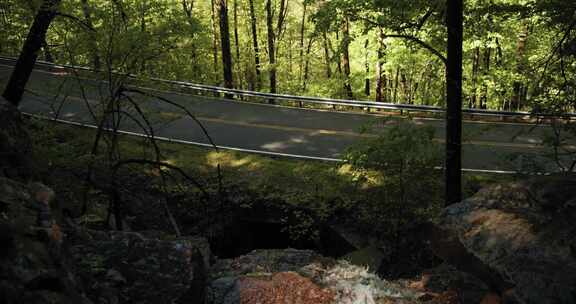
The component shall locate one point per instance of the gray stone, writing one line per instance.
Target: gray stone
(128, 266)
(524, 232)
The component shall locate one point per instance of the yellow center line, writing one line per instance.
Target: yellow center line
(314, 132)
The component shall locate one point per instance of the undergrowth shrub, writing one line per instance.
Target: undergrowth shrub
(402, 186)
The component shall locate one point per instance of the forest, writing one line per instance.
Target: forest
(287, 151)
(516, 53)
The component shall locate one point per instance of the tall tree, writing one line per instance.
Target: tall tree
(225, 41)
(273, 35)
(29, 54)
(271, 46)
(346, 39)
(327, 59)
(237, 44)
(307, 63)
(214, 38)
(518, 87)
(253, 27)
(367, 68)
(454, 22)
(302, 31)
(380, 75)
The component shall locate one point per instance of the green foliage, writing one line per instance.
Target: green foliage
(160, 39)
(406, 187)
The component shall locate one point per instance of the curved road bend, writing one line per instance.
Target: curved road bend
(267, 128)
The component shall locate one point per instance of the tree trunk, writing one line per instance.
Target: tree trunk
(404, 87)
(475, 68)
(237, 42)
(290, 53)
(380, 78)
(346, 57)
(486, 70)
(367, 67)
(226, 49)
(307, 64)
(518, 86)
(255, 43)
(302, 31)
(327, 56)
(339, 61)
(455, 12)
(214, 41)
(271, 48)
(29, 54)
(396, 83)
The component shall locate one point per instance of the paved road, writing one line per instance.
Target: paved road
(264, 127)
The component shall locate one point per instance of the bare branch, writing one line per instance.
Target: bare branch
(77, 20)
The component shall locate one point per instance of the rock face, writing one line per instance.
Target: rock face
(299, 277)
(124, 267)
(33, 266)
(40, 262)
(526, 233)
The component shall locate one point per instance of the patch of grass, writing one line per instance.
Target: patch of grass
(319, 191)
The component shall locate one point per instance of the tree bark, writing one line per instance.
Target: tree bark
(214, 40)
(475, 69)
(486, 61)
(455, 16)
(302, 31)
(253, 25)
(237, 43)
(518, 86)
(327, 56)
(271, 47)
(380, 78)
(346, 57)
(29, 54)
(225, 42)
(307, 64)
(396, 83)
(367, 68)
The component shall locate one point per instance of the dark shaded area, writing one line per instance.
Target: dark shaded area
(245, 236)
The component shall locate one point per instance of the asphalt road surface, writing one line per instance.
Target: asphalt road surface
(269, 128)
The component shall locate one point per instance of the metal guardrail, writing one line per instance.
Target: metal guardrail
(320, 100)
(251, 151)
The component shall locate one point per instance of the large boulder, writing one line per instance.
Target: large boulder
(299, 277)
(33, 267)
(44, 261)
(524, 233)
(129, 267)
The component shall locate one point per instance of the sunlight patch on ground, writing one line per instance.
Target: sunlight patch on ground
(298, 140)
(367, 179)
(280, 145)
(214, 159)
(275, 146)
(531, 140)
